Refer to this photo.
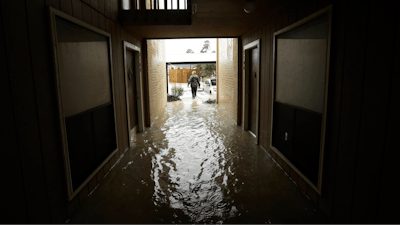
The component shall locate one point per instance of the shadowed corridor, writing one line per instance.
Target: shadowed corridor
(194, 165)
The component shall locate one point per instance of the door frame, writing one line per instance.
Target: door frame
(246, 65)
(139, 91)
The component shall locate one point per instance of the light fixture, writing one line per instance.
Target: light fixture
(249, 6)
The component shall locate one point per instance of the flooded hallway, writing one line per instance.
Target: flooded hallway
(195, 165)
(296, 119)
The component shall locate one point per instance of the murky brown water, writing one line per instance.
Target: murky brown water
(196, 166)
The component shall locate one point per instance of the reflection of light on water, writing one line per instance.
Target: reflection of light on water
(191, 173)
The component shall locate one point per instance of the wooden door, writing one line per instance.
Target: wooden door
(132, 95)
(253, 90)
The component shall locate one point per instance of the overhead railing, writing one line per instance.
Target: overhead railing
(156, 12)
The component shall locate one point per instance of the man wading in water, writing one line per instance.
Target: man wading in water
(193, 81)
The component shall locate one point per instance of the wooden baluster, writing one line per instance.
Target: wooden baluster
(132, 5)
(142, 5)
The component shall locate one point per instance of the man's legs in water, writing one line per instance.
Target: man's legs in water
(193, 92)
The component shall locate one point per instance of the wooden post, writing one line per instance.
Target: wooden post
(142, 5)
(132, 5)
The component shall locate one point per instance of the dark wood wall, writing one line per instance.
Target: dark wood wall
(359, 174)
(33, 183)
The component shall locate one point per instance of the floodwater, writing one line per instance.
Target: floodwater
(195, 165)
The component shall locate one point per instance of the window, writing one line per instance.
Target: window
(85, 98)
(300, 94)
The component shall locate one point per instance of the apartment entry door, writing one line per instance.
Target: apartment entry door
(253, 90)
(134, 96)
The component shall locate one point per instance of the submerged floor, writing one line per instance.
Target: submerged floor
(194, 165)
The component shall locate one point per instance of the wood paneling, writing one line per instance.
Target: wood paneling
(92, 184)
(84, 193)
(323, 3)
(101, 6)
(292, 14)
(388, 191)
(263, 78)
(95, 18)
(102, 22)
(47, 113)
(73, 205)
(352, 89)
(359, 165)
(334, 107)
(87, 13)
(14, 194)
(311, 6)
(301, 10)
(107, 8)
(95, 4)
(77, 9)
(16, 39)
(268, 45)
(376, 91)
(53, 3)
(35, 190)
(114, 9)
(66, 6)
(100, 175)
(122, 131)
(124, 37)
(114, 40)
(285, 17)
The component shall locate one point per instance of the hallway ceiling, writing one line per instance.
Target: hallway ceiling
(214, 18)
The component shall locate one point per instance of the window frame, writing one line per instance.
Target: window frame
(325, 11)
(53, 13)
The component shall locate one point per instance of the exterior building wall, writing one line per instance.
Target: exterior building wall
(156, 77)
(227, 75)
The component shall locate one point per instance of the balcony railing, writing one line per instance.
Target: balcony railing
(156, 12)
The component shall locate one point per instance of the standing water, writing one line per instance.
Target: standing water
(195, 165)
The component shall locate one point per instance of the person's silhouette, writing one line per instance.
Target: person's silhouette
(193, 81)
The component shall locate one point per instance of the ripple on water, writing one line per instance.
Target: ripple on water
(191, 170)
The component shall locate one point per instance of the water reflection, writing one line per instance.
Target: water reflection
(195, 165)
(193, 170)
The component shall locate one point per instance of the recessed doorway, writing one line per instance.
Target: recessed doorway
(251, 87)
(133, 90)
